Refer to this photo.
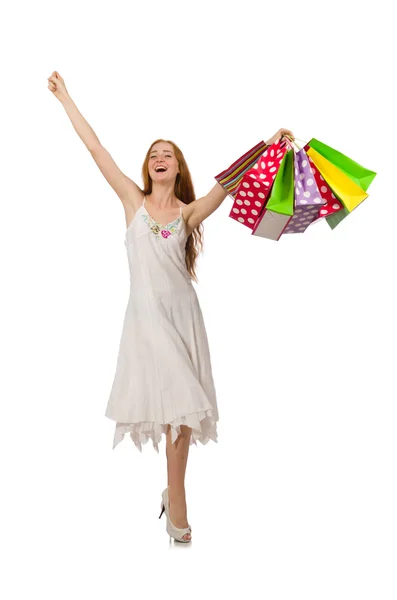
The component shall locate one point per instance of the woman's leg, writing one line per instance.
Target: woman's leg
(177, 455)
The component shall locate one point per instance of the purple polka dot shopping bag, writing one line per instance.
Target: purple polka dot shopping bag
(308, 199)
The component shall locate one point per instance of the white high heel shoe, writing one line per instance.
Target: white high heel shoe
(173, 531)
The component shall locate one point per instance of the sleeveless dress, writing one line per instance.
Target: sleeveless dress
(163, 374)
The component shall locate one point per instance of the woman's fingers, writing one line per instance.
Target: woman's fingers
(57, 75)
(54, 77)
(57, 82)
(52, 81)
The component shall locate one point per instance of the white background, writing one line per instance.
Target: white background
(297, 499)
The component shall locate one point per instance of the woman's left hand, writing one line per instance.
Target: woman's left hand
(278, 135)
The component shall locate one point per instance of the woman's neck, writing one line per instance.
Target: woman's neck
(164, 199)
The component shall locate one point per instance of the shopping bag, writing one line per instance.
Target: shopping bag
(255, 186)
(308, 199)
(231, 177)
(250, 187)
(344, 188)
(280, 205)
(356, 172)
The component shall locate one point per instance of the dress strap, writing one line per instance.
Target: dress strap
(144, 198)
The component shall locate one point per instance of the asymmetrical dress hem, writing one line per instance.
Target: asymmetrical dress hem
(202, 423)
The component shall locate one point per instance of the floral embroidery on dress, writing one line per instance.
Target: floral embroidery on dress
(158, 230)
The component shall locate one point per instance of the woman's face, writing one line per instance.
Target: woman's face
(162, 156)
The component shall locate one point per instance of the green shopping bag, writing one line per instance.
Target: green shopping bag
(360, 175)
(281, 198)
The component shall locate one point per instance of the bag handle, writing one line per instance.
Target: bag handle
(294, 141)
(291, 142)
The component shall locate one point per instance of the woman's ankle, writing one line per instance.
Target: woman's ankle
(176, 495)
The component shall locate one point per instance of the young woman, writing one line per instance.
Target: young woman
(163, 381)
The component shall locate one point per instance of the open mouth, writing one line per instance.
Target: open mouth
(160, 169)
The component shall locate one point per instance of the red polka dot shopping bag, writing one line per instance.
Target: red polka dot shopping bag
(332, 204)
(279, 208)
(249, 180)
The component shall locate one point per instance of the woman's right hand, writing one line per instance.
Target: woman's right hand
(280, 133)
(57, 86)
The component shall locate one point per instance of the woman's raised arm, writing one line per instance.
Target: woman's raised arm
(126, 189)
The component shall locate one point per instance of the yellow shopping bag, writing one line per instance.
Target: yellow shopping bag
(348, 192)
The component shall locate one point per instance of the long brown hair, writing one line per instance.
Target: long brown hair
(184, 191)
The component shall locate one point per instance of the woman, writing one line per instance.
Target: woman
(163, 381)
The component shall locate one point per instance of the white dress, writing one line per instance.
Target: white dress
(163, 374)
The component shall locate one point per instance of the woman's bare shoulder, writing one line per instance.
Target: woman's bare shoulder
(133, 197)
(186, 208)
